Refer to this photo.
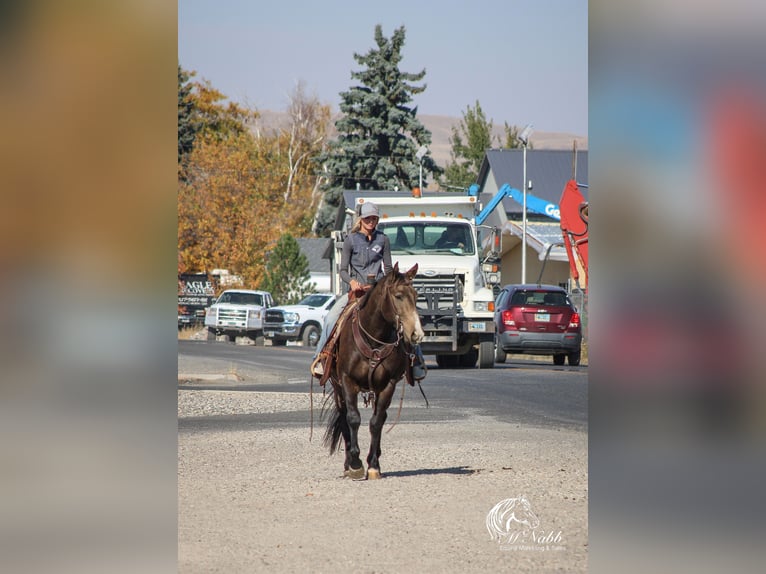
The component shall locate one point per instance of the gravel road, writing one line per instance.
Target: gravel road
(256, 495)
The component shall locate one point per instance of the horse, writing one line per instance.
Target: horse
(374, 352)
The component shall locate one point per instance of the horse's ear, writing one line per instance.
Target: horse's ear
(412, 271)
(396, 267)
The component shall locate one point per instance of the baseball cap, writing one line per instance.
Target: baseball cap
(369, 210)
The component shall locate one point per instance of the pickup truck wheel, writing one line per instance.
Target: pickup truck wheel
(211, 334)
(311, 336)
(278, 342)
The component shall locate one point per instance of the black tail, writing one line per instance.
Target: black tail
(335, 426)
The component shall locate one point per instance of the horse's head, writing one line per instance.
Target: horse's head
(404, 298)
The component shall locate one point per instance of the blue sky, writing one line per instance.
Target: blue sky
(525, 61)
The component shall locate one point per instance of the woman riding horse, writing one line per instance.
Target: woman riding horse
(366, 258)
(375, 350)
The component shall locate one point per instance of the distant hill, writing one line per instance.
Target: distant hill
(441, 130)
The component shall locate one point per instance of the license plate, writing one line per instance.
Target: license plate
(543, 317)
(477, 326)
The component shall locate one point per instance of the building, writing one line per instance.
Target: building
(548, 172)
(319, 268)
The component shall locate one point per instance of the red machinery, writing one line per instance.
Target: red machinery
(574, 228)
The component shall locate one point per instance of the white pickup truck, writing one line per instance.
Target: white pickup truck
(301, 322)
(238, 312)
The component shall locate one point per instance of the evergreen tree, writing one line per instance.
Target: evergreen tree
(470, 141)
(378, 132)
(287, 275)
(187, 126)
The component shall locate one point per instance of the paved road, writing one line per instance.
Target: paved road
(525, 391)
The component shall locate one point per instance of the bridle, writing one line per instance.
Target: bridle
(376, 355)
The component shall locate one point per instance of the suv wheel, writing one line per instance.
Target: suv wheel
(500, 355)
(559, 359)
(574, 358)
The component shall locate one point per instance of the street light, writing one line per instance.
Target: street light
(523, 137)
(420, 155)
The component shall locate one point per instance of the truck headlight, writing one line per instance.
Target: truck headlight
(483, 306)
(292, 318)
(255, 314)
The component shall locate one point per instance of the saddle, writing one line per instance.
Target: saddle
(329, 354)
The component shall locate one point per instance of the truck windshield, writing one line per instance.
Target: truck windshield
(241, 298)
(411, 237)
(315, 300)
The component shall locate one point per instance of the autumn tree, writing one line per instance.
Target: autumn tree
(286, 275)
(299, 143)
(240, 189)
(378, 131)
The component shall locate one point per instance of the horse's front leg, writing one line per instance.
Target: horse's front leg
(377, 420)
(353, 466)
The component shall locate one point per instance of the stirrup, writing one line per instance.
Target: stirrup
(317, 367)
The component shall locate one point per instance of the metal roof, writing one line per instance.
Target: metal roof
(549, 171)
(314, 250)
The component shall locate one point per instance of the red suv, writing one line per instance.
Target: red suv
(537, 320)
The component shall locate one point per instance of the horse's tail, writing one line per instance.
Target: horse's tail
(334, 431)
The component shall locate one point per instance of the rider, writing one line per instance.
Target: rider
(366, 258)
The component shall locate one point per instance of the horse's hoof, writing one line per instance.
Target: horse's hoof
(355, 473)
(373, 474)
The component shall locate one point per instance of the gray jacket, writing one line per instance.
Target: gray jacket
(361, 258)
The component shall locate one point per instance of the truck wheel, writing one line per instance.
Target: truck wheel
(469, 359)
(258, 340)
(279, 342)
(311, 336)
(211, 334)
(486, 354)
(447, 361)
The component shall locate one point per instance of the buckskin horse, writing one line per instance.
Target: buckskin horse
(373, 354)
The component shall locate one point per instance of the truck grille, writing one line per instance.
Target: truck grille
(273, 316)
(232, 315)
(438, 293)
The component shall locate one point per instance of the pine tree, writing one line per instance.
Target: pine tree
(187, 126)
(378, 132)
(470, 141)
(287, 275)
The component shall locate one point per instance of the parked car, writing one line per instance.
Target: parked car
(537, 320)
(301, 322)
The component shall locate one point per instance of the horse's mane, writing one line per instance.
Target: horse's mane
(368, 294)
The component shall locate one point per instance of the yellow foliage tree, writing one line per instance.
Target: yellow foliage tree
(240, 190)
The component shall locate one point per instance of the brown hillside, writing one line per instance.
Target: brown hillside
(441, 130)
